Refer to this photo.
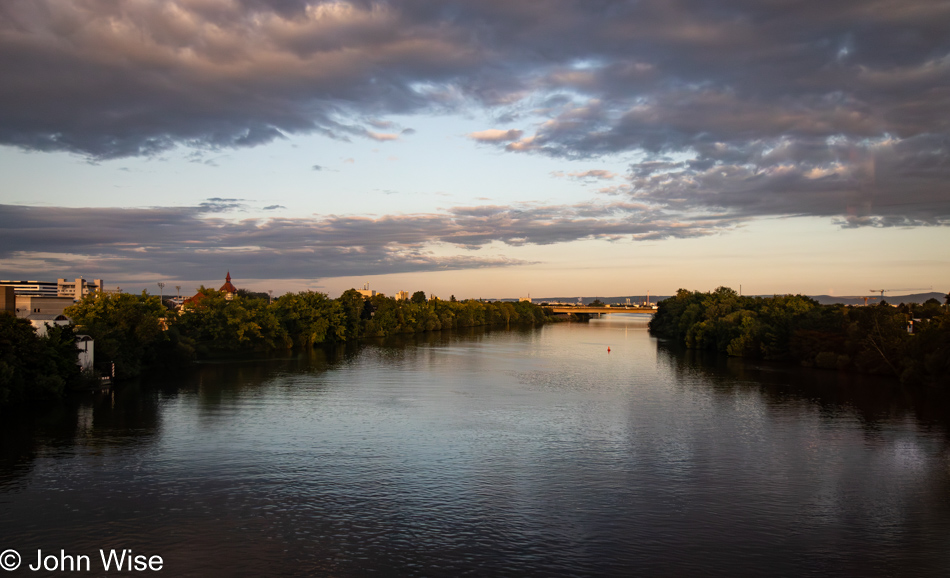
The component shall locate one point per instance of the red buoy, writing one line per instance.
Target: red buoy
(608, 350)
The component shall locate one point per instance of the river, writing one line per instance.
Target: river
(490, 453)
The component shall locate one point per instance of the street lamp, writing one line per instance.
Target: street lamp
(161, 289)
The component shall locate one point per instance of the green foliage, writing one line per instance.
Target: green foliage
(418, 297)
(796, 328)
(309, 318)
(217, 323)
(253, 294)
(137, 333)
(34, 368)
(128, 330)
(596, 303)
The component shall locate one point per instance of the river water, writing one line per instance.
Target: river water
(521, 452)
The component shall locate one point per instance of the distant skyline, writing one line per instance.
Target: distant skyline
(479, 148)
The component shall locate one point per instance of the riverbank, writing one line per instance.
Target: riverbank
(138, 334)
(909, 342)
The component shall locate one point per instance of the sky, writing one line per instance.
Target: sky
(478, 148)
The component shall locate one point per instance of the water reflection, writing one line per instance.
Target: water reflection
(94, 421)
(491, 453)
(872, 399)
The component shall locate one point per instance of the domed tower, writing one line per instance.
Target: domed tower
(228, 288)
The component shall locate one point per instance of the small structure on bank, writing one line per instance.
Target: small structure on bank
(87, 356)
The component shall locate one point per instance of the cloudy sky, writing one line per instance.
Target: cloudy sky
(482, 148)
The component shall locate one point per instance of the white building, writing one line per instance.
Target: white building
(78, 288)
(366, 292)
(43, 321)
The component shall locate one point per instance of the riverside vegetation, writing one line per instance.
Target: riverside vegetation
(138, 333)
(872, 339)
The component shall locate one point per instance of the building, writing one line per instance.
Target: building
(27, 306)
(366, 292)
(402, 296)
(193, 300)
(78, 288)
(228, 289)
(7, 300)
(528, 298)
(32, 288)
(43, 321)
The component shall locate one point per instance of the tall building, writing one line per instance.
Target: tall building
(32, 288)
(402, 296)
(77, 289)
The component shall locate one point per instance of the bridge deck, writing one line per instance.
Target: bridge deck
(569, 309)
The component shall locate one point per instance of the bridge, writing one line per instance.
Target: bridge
(589, 310)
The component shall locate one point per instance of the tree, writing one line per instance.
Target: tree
(418, 297)
(352, 302)
(35, 368)
(125, 327)
(218, 323)
(597, 303)
(310, 318)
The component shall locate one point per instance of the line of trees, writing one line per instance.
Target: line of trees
(137, 332)
(796, 328)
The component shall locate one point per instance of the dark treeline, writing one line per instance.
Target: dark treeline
(795, 328)
(136, 332)
(34, 367)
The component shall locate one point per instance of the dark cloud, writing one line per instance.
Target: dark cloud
(888, 182)
(185, 242)
(274, 207)
(760, 91)
(219, 205)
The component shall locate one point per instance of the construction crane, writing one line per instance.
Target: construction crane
(882, 291)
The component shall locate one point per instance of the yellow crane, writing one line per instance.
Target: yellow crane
(882, 291)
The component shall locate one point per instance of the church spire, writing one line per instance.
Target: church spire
(228, 288)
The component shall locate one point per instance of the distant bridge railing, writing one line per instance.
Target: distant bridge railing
(585, 309)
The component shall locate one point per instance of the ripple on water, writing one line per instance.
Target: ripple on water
(507, 453)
